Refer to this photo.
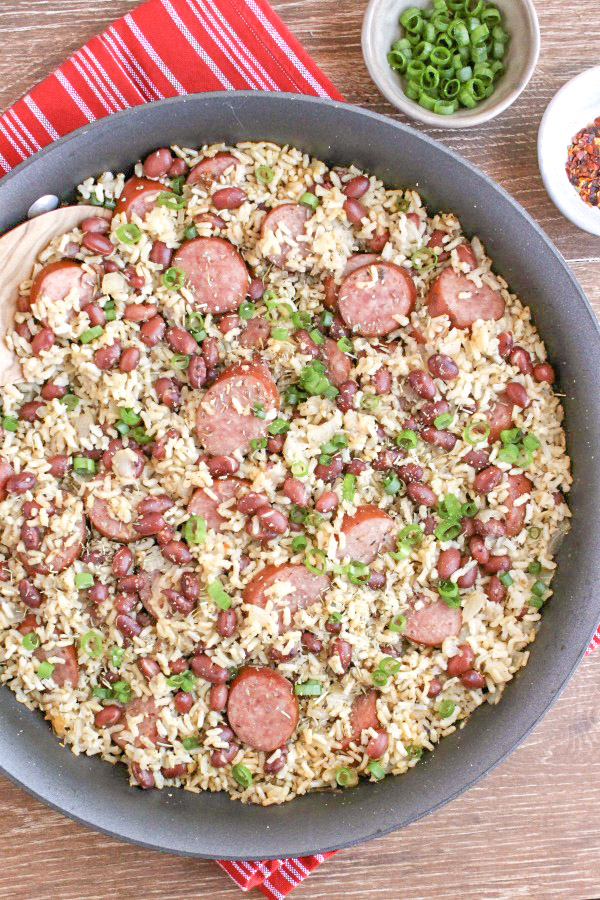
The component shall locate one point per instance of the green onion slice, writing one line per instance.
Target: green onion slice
(315, 561)
(310, 200)
(310, 688)
(9, 423)
(90, 334)
(443, 421)
(448, 530)
(70, 401)
(534, 532)
(242, 775)
(92, 644)
(128, 416)
(219, 595)
(194, 530)
(445, 709)
(116, 656)
(389, 665)
(173, 278)
(299, 469)
(506, 579)
(279, 426)
(190, 743)
(410, 534)
(246, 310)
(190, 233)
(258, 443)
(83, 465)
(346, 777)
(534, 567)
(299, 543)
(348, 487)
(128, 234)
(376, 770)
(398, 623)
(31, 641)
(449, 593)
(171, 201)
(358, 572)
(179, 361)
(407, 439)
(264, 174)
(45, 670)
(450, 507)
(84, 580)
(414, 752)
(379, 678)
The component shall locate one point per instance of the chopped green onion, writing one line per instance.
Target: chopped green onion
(177, 183)
(298, 514)
(280, 334)
(411, 534)
(403, 552)
(258, 443)
(70, 401)
(379, 678)
(242, 775)
(83, 465)
(102, 693)
(534, 532)
(509, 454)
(317, 337)
(530, 442)
(448, 530)
(468, 509)
(539, 588)
(376, 770)
(179, 361)
(314, 519)
(90, 334)
(246, 310)
(139, 435)
(84, 580)
(506, 579)
(127, 415)
(116, 656)
(299, 543)
(128, 234)
(536, 602)
(173, 277)
(264, 174)
(424, 259)
(9, 423)
(259, 411)
(171, 201)
(122, 428)
(392, 484)
(299, 469)
(301, 318)
(346, 777)
(122, 691)
(348, 487)
(445, 709)
(279, 426)
(194, 530)
(92, 644)
(45, 670)
(389, 665)
(407, 439)
(449, 593)
(414, 752)
(315, 561)
(511, 435)
(31, 641)
(310, 200)
(476, 432)
(218, 594)
(190, 743)
(335, 617)
(310, 688)
(534, 568)
(443, 421)
(450, 507)
(398, 623)
(369, 401)
(345, 345)
(190, 233)
(358, 572)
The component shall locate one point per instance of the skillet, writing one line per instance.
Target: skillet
(212, 825)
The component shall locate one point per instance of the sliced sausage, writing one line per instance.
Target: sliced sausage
(358, 261)
(256, 333)
(262, 708)
(147, 731)
(62, 279)
(66, 671)
(212, 167)
(370, 306)
(225, 420)
(432, 623)
(216, 273)
(64, 556)
(517, 486)
(287, 222)
(338, 363)
(368, 532)
(363, 715)
(108, 526)
(304, 587)
(205, 502)
(445, 298)
(139, 196)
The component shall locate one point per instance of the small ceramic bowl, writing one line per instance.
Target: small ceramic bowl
(576, 105)
(381, 28)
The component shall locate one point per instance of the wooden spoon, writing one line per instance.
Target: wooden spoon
(19, 249)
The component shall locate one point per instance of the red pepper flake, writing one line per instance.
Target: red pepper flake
(583, 163)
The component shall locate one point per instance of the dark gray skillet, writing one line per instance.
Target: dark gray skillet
(212, 825)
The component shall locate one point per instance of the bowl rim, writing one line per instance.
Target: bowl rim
(79, 809)
(571, 207)
(458, 119)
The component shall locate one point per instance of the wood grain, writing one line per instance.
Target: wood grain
(531, 829)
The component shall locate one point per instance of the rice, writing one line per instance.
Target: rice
(169, 746)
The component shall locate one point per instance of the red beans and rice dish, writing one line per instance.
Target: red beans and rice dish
(282, 485)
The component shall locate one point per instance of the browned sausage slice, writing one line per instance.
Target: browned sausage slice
(515, 518)
(147, 730)
(262, 708)
(66, 671)
(108, 526)
(225, 420)
(357, 261)
(370, 304)
(287, 222)
(212, 167)
(499, 418)
(363, 715)
(305, 587)
(58, 279)
(256, 333)
(459, 298)
(368, 532)
(338, 363)
(139, 196)
(58, 558)
(432, 623)
(215, 271)
(205, 502)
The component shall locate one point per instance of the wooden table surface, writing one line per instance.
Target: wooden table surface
(531, 829)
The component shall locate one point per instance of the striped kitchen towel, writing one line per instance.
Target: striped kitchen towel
(162, 49)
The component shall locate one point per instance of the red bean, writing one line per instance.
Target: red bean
(445, 440)
(177, 552)
(377, 581)
(97, 243)
(311, 642)
(442, 367)
(378, 745)
(472, 679)
(95, 224)
(220, 758)
(488, 479)
(134, 279)
(149, 523)
(210, 352)
(222, 465)
(505, 344)
(495, 590)
(296, 491)
(98, 593)
(228, 198)
(331, 471)
(355, 211)
(196, 372)
(152, 331)
(275, 444)
(497, 564)
(448, 562)
(181, 341)
(168, 392)
(59, 465)
(338, 329)
(106, 357)
(19, 484)
(522, 360)
(108, 716)
(327, 502)
(478, 550)
(387, 459)
(517, 394)
(128, 626)
(122, 562)
(22, 329)
(205, 668)
(190, 586)
(382, 381)
(544, 372)
(422, 384)
(356, 466)
(125, 603)
(181, 768)
(272, 519)
(131, 584)
(429, 413)
(379, 240)
(226, 622)
(479, 459)
(129, 360)
(467, 527)
(435, 687)
(333, 627)
(29, 594)
(429, 524)
(421, 494)
(144, 777)
(271, 768)
(410, 472)
(43, 340)
(217, 697)
(31, 536)
(29, 412)
(250, 503)
(139, 312)
(489, 528)
(470, 577)
(148, 667)
(183, 701)
(356, 187)
(109, 265)
(345, 398)
(178, 167)
(52, 391)
(229, 323)
(256, 288)
(461, 662)
(306, 345)
(158, 163)
(343, 649)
